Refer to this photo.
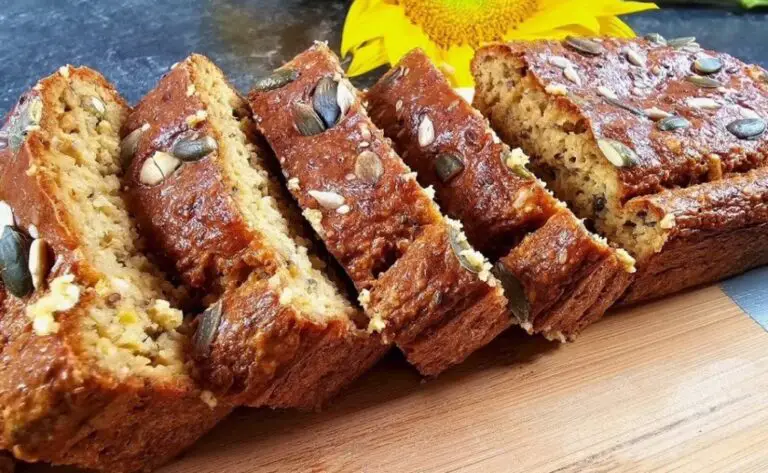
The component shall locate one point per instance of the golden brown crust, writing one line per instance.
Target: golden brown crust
(392, 227)
(58, 406)
(498, 206)
(664, 158)
(719, 230)
(263, 352)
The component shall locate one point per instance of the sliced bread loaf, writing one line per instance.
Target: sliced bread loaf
(558, 276)
(279, 330)
(422, 285)
(94, 370)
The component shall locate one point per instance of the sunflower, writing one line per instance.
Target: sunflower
(378, 32)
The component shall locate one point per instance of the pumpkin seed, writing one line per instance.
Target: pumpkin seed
(517, 301)
(26, 119)
(606, 92)
(656, 38)
(95, 106)
(306, 120)
(571, 74)
(326, 199)
(672, 123)
(635, 58)
(655, 113)
(705, 82)
(393, 76)
(707, 65)
(459, 247)
(625, 106)
(426, 132)
(584, 45)
(560, 61)
(190, 150)
(368, 167)
(702, 102)
(207, 329)
(157, 168)
(14, 267)
(747, 128)
(521, 171)
(681, 42)
(6, 215)
(130, 144)
(448, 166)
(324, 101)
(279, 78)
(619, 154)
(39, 264)
(345, 97)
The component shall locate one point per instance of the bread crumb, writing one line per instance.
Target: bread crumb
(208, 398)
(364, 298)
(668, 221)
(62, 296)
(315, 218)
(293, 184)
(64, 71)
(196, 118)
(164, 315)
(343, 210)
(376, 324)
(191, 90)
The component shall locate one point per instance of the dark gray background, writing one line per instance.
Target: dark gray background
(133, 42)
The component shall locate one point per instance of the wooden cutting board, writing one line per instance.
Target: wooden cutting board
(676, 385)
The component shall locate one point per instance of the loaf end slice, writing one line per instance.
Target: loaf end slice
(418, 277)
(279, 330)
(559, 277)
(635, 120)
(94, 370)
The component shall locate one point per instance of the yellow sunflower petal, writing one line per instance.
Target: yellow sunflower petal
(554, 14)
(367, 57)
(613, 26)
(364, 24)
(455, 64)
(612, 7)
(404, 36)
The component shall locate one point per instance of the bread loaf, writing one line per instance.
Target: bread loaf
(422, 285)
(558, 277)
(279, 330)
(94, 370)
(648, 139)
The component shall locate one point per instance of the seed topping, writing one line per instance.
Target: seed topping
(619, 154)
(276, 80)
(426, 132)
(368, 167)
(747, 128)
(448, 166)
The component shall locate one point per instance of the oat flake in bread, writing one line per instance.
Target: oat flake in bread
(660, 144)
(422, 285)
(558, 277)
(93, 370)
(279, 330)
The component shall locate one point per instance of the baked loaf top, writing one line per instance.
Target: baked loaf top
(94, 371)
(683, 114)
(415, 271)
(204, 193)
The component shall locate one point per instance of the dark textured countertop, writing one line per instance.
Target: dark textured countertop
(133, 42)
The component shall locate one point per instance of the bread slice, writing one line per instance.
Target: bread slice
(279, 331)
(94, 369)
(421, 283)
(609, 123)
(559, 276)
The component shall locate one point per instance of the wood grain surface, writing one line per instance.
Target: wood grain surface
(677, 385)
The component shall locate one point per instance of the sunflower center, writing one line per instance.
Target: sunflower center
(473, 22)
